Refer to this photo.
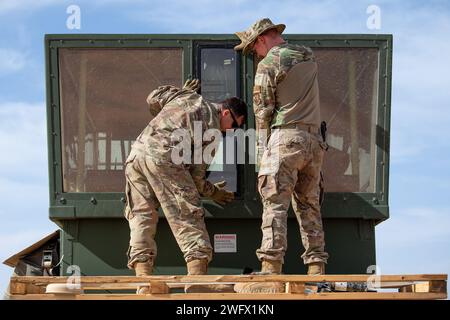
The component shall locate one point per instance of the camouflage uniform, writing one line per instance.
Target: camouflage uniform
(286, 103)
(153, 180)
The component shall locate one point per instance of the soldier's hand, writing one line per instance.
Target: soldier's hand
(192, 84)
(222, 196)
(221, 184)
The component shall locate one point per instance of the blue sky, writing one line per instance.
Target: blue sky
(416, 239)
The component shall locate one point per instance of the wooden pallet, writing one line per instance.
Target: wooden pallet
(297, 287)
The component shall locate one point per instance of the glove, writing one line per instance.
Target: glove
(220, 195)
(192, 84)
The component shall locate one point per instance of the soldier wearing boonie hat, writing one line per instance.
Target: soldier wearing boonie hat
(249, 36)
(286, 105)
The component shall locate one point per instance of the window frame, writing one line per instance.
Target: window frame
(66, 205)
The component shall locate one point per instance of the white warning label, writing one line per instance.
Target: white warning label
(225, 243)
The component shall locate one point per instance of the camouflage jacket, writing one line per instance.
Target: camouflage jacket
(176, 109)
(271, 71)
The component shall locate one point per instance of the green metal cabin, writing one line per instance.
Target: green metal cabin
(96, 91)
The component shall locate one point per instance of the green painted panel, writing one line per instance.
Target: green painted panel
(100, 246)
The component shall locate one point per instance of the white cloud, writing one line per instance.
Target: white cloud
(413, 241)
(25, 199)
(23, 140)
(410, 227)
(11, 60)
(23, 180)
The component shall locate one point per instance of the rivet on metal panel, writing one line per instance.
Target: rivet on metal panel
(178, 41)
(91, 41)
(62, 200)
(382, 163)
(123, 199)
(54, 134)
(347, 42)
(54, 105)
(52, 75)
(375, 200)
(61, 41)
(93, 200)
(149, 41)
(317, 42)
(55, 163)
(385, 75)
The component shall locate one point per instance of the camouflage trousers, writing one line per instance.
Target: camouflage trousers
(149, 186)
(290, 171)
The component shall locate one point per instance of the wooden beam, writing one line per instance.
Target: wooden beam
(295, 287)
(17, 287)
(243, 296)
(232, 278)
(159, 287)
(434, 286)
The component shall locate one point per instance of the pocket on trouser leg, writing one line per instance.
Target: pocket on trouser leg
(268, 187)
(268, 234)
(189, 202)
(128, 205)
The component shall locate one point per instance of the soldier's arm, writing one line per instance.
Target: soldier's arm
(159, 97)
(264, 94)
(198, 173)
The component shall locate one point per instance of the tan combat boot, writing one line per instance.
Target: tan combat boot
(200, 267)
(271, 266)
(267, 267)
(316, 268)
(143, 269)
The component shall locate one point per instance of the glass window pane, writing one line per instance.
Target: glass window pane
(219, 81)
(103, 109)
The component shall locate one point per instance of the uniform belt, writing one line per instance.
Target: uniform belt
(300, 126)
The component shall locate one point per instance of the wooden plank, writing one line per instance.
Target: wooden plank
(405, 289)
(118, 286)
(17, 287)
(158, 287)
(438, 286)
(295, 287)
(232, 278)
(387, 285)
(431, 286)
(247, 296)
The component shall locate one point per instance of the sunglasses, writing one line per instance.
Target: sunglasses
(235, 124)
